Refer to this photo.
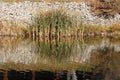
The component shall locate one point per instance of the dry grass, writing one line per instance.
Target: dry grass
(52, 22)
(95, 29)
(11, 29)
(113, 29)
(106, 7)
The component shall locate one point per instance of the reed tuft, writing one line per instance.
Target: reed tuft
(52, 22)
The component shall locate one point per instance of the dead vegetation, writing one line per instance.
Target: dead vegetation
(8, 28)
(106, 8)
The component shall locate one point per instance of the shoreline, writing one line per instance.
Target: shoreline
(16, 17)
(22, 12)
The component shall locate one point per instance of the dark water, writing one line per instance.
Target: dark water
(48, 75)
(62, 59)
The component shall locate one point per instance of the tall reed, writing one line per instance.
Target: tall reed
(52, 22)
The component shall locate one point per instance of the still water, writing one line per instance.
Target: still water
(62, 59)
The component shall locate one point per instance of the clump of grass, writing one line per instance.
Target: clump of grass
(52, 22)
(106, 7)
(59, 23)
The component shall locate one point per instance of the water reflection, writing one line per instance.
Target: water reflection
(96, 58)
(49, 75)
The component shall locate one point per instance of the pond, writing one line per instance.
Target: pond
(96, 58)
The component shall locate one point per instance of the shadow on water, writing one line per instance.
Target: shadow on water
(67, 59)
(49, 75)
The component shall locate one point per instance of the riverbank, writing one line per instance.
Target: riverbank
(21, 14)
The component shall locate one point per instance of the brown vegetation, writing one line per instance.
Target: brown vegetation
(9, 28)
(106, 7)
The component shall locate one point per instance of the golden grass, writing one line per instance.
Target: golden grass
(94, 29)
(11, 29)
(52, 22)
(114, 29)
(109, 7)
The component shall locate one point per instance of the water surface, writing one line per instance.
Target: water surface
(71, 59)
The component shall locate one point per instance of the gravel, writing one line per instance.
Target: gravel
(22, 13)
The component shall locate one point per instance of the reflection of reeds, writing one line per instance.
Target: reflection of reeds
(115, 40)
(103, 55)
(10, 42)
(55, 50)
(64, 51)
(106, 60)
(50, 56)
(65, 54)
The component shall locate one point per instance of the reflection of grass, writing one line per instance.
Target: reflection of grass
(92, 41)
(115, 40)
(10, 42)
(62, 52)
(108, 61)
(103, 55)
(95, 29)
(57, 55)
(55, 50)
(48, 58)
